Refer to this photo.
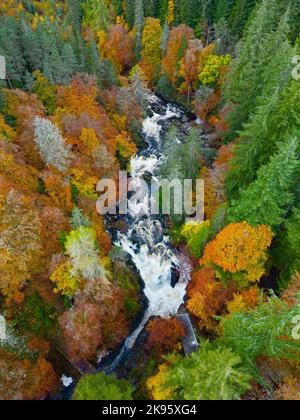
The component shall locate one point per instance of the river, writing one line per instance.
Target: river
(149, 248)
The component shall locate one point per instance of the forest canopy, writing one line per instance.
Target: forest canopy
(218, 83)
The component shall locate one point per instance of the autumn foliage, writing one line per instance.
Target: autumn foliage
(25, 379)
(239, 252)
(119, 47)
(208, 298)
(177, 44)
(151, 52)
(164, 334)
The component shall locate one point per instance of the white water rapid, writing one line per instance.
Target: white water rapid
(145, 242)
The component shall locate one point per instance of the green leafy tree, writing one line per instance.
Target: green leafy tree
(81, 247)
(36, 316)
(45, 91)
(101, 387)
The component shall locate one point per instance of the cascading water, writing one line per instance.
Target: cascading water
(145, 241)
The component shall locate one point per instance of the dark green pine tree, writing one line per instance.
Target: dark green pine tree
(109, 75)
(130, 12)
(189, 12)
(54, 68)
(240, 14)
(181, 12)
(223, 9)
(294, 22)
(162, 10)
(118, 7)
(151, 8)
(80, 49)
(33, 53)
(28, 81)
(262, 332)
(69, 62)
(268, 199)
(278, 110)
(74, 13)
(245, 84)
(94, 62)
(139, 25)
(11, 48)
(286, 254)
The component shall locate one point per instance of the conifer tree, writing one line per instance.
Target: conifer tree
(138, 87)
(198, 377)
(286, 254)
(139, 25)
(165, 38)
(130, 12)
(244, 84)
(54, 68)
(96, 14)
(69, 62)
(264, 331)
(11, 48)
(240, 13)
(33, 54)
(118, 7)
(278, 110)
(223, 9)
(74, 13)
(267, 199)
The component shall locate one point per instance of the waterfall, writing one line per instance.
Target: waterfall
(145, 242)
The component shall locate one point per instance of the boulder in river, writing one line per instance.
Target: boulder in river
(186, 128)
(175, 276)
(210, 138)
(147, 177)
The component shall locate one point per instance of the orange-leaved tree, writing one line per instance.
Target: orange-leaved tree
(239, 252)
(119, 48)
(208, 297)
(164, 334)
(177, 45)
